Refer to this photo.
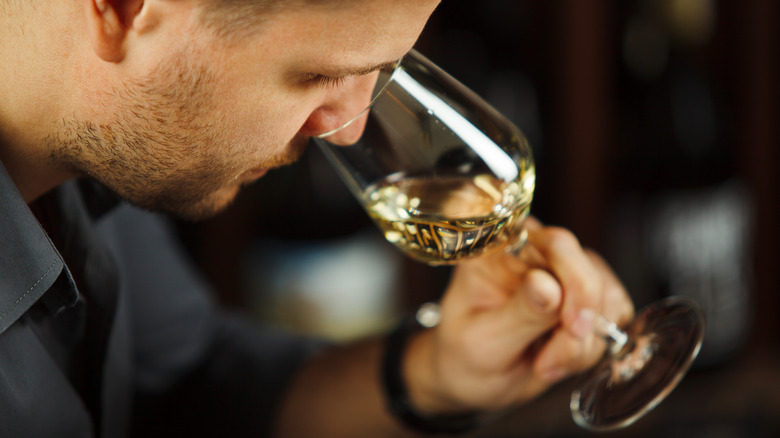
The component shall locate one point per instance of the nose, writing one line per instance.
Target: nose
(341, 105)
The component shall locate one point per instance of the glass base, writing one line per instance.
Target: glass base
(664, 339)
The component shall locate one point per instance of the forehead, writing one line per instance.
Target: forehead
(237, 19)
(355, 35)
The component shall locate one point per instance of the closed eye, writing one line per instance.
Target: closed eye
(328, 81)
(334, 80)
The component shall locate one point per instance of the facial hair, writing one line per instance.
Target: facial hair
(160, 151)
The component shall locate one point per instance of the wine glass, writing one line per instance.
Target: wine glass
(445, 177)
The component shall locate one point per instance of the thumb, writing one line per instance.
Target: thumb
(530, 312)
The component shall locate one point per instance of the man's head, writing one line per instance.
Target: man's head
(176, 104)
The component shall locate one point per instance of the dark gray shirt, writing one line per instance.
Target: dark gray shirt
(106, 330)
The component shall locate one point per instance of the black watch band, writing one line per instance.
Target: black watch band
(397, 397)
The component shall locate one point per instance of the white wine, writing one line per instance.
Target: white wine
(443, 219)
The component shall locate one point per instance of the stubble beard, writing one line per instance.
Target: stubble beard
(158, 152)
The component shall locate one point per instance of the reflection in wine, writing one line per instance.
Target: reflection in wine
(443, 219)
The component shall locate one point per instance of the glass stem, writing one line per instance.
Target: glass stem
(609, 331)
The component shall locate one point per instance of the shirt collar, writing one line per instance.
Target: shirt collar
(29, 263)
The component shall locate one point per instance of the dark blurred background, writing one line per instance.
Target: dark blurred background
(654, 127)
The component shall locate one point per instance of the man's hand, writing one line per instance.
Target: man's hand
(514, 325)
(511, 327)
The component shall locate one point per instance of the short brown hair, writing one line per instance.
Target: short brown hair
(231, 18)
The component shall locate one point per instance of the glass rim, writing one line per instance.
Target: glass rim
(396, 67)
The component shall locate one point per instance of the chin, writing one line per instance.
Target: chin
(205, 208)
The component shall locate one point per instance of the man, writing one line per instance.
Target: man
(173, 106)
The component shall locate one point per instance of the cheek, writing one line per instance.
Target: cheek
(267, 124)
(261, 117)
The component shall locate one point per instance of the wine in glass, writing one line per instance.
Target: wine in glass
(445, 177)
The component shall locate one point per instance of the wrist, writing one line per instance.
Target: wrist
(407, 364)
(421, 376)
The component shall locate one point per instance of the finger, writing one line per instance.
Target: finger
(498, 269)
(564, 355)
(533, 223)
(526, 256)
(481, 284)
(617, 305)
(532, 310)
(581, 283)
(499, 337)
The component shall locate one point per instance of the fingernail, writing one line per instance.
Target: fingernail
(543, 291)
(554, 374)
(583, 325)
(539, 299)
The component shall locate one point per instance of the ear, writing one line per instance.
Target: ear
(108, 24)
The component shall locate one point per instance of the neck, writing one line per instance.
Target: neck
(33, 80)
